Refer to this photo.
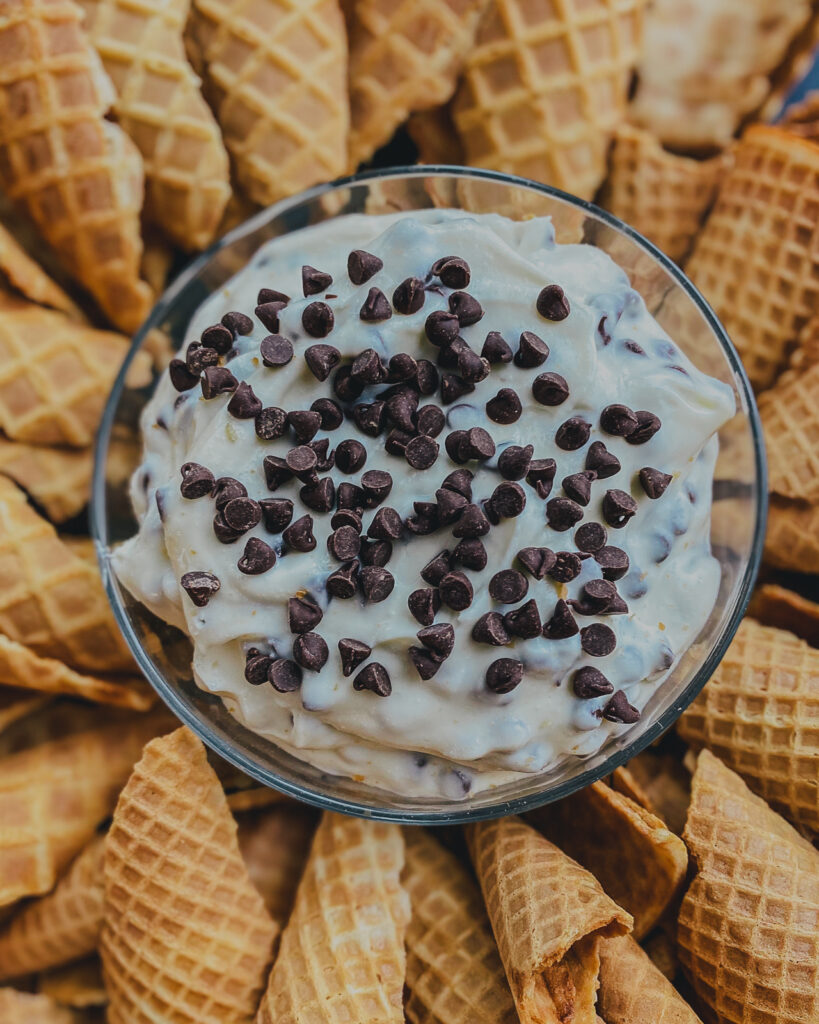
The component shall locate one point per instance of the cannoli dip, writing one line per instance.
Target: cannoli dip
(430, 494)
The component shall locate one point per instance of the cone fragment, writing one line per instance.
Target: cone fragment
(548, 915)
(749, 923)
(77, 174)
(60, 927)
(342, 953)
(25, 1008)
(658, 782)
(773, 605)
(276, 74)
(58, 479)
(790, 419)
(454, 971)
(159, 105)
(546, 86)
(633, 991)
(27, 277)
(637, 860)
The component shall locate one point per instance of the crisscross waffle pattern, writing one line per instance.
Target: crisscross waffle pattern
(749, 924)
(185, 935)
(342, 953)
(454, 972)
(792, 537)
(25, 1008)
(404, 56)
(58, 479)
(790, 419)
(759, 712)
(632, 989)
(161, 108)
(757, 258)
(546, 87)
(78, 175)
(51, 600)
(276, 74)
(274, 843)
(60, 927)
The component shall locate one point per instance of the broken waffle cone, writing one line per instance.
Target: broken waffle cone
(634, 856)
(77, 174)
(790, 420)
(546, 86)
(454, 971)
(342, 953)
(275, 72)
(756, 260)
(27, 1008)
(549, 916)
(159, 105)
(749, 923)
(185, 935)
(29, 279)
(16, 704)
(58, 479)
(773, 605)
(433, 132)
(60, 927)
(659, 783)
(792, 537)
(633, 991)
(78, 984)
(758, 713)
(662, 195)
(404, 57)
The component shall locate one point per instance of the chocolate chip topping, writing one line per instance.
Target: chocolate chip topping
(362, 265)
(351, 455)
(532, 351)
(619, 710)
(257, 557)
(601, 461)
(276, 513)
(271, 423)
(524, 621)
(376, 307)
(550, 389)
(275, 350)
(489, 629)
(598, 595)
(566, 567)
(301, 460)
(536, 561)
(613, 561)
(508, 586)
(299, 535)
(436, 568)
(590, 537)
(226, 489)
(200, 587)
(376, 583)
(314, 281)
(349, 496)
(198, 357)
(459, 480)
(318, 319)
(440, 639)
(237, 323)
(647, 426)
(217, 380)
(618, 508)
(377, 484)
(589, 683)
(453, 271)
(597, 640)
(572, 434)
(450, 505)
(271, 295)
(330, 413)
(285, 675)
(386, 525)
(471, 554)
(430, 420)
(321, 360)
(425, 663)
(242, 514)
(618, 420)
(472, 523)
(244, 404)
(466, 307)
(375, 552)
(441, 327)
(353, 653)
(496, 349)
(409, 296)
(421, 452)
(304, 423)
(268, 314)
(343, 582)
(310, 651)
(275, 471)
(374, 677)
(562, 624)
(303, 614)
(368, 368)
(218, 337)
(563, 513)
(344, 543)
(654, 482)
(319, 496)
(423, 604)
(181, 377)
(552, 303)
(456, 591)
(508, 500)
(514, 462)
(369, 417)
(505, 407)
(257, 667)
(504, 675)
(197, 481)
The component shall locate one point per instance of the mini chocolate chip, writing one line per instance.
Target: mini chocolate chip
(453, 271)
(472, 523)
(590, 537)
(377, 485)
(181, 377)
(449, 354)
(598, 594)
(471, 554)
(276, 513)
(321, 360)
(319, 496)
(368, 368)
(353, 653)
(589, 683)
(562, 624)
(597, 640)
(376, 307)
(563, 513)
(268, 314)
(401, 367)
(504, 675)
(455, 445)
(441, 327)
(374, 677)
(314, 281)
(618, 420)
(344, 387)
(257, 557)
(301, 460)
(508, 500)
(310, 651)
(567, 566)
(440, 639)
(496, 349)
(362, 265)
(257, 668)
(369, 417)
(304, 423)
(619, 710)
(237, 323)
(532, 350)
(454, 387)
(505, 407)
(318, 319)
(244, 404)
(647, 426)
(654, 482)
(489, 629)
(400, 408)
(299, 535)
(508, 586)
(459, 480)
(541, 471)
(226, 489)
(450, 505)
(552, 303)
(423, 604)
(426, 378)
(471, 366)
(424, 662)
(346, 517)
(330, 413)
(466, 307)
(456, 591)
(217, 380)
(601, 461)
(271, 295)
(242, 514)
(375, 552)
(524, 621)
(577, 486)
(303, 614)
(349, 495)
(550, 389)
(376, 583)
(198, 357)
(276, 350)
(613, 561)
(536, 561)
(350, 456)
(618, 508)
(271, 423)
(275, 471)
(514, 461)
(430, 420)
(421, 452)
(572, 434)
(200, 587)
(386, 525)
(490, 511)
(197, 481)
(478, 444)
(409, 296)
(343, 583)
(218, 337)
(285, 675)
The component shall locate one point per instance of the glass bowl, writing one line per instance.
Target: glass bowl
(739, 506)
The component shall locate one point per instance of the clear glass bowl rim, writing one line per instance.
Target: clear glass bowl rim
(325, 800)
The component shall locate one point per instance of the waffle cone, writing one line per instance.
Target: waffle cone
(637, 860)
(792, 538)
(773, 605)
(663, 195)
(159, 105)
(28, 278)
(78, 175)
(276, 75)
(546, 86)
(342, 953)
(60, 927)
(16, 704)
(803, 118)
(54, 795)
(254, 798)
(25, 1008)
(52, 601)
(433, 132)
(454, 972)
(790, 419)
(759, 712)
(58, 479)
(185, 935)
(404, 57)
(659, 783)
(757, 258)
(749, 923)
(548, 915)
(78, 984)
(633, 991)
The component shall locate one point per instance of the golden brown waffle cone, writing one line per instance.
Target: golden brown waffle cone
(548, 915)
(342, 953)
(60, 927)
(663, 195)
(792, 537)
(546, 86)
(58, 479)
(633, 991)
(274, 844)
(185, 934)
(790, 419)
(773, 605)
(454, 971)
(433, 132)
(54, 795)
(749, 923)
(658, 782)
(29, 279)
(404, 56)
(803, 118)
(78, 175)
(276, 74)
(159, 105)
(25, 1008)
(757, 258)
(51, 600)
(759, 713)
(637, 860)
(78, 984)
(16, 704)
